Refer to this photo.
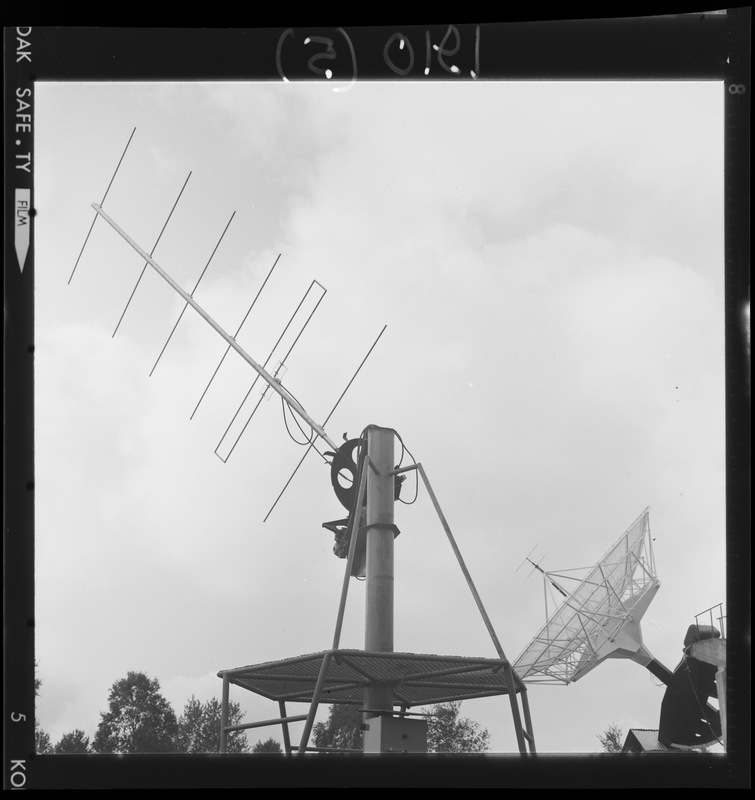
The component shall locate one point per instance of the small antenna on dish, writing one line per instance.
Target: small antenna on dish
(536, 566)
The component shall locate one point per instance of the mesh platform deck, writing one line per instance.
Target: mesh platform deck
(416, 679)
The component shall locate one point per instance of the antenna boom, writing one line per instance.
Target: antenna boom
(272, 382)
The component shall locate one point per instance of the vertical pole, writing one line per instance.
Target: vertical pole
(284, 726)
(379, 549)
(224, 714)
(527, 718)
(315, 701)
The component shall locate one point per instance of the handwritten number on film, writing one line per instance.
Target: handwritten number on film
(398, 52)
(323, 53)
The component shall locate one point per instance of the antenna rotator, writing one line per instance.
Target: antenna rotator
(344, 476)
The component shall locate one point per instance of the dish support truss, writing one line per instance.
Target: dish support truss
(341, 676)
(601, 618)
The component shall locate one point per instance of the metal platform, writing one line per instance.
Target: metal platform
(416, 679)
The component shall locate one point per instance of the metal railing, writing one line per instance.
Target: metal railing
(713, 613)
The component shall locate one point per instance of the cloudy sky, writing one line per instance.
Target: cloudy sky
(548, 260)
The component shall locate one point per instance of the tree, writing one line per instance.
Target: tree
(199, 728)
(268, 746)
(139, 720)
(74, 742)
(611, 739)
(42, 743)
(342, 731)
(447, 732)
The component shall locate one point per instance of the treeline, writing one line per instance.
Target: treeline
(140, 720)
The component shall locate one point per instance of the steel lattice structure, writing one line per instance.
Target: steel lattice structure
(601, 617)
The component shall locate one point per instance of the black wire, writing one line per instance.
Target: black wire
(285, 405)
(295, 398)
(405, 449)
(312, 438)
(416, 492)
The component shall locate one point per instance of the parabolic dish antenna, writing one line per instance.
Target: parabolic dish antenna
(600, 619)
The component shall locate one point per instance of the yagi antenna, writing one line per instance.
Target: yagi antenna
(274, 381)
(292, 402)
(102, 203)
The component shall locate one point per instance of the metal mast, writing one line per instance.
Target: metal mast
(380, 534)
